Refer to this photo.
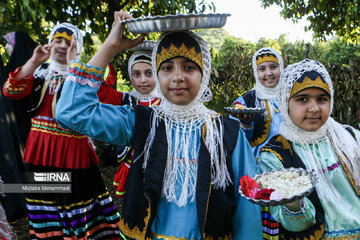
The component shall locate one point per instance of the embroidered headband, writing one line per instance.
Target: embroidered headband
(66, 30)
(142, 59)
(139, 56)
(62, 32)
(179, 44)
(310, 79)
(266, 56)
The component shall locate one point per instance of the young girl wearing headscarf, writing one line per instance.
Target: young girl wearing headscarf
(184, 179)
(309, 138)
(267, 65)
(88, 211)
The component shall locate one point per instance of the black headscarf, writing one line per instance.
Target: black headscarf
(15, 123)
(23, 50)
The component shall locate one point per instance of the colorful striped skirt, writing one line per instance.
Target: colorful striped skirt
(88, 212)
(269, 225)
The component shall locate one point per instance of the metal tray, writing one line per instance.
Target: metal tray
(234, 111)
(176, 22)
(270, 203)
(144, 46)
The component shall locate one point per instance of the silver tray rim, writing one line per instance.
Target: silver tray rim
(245, 110)
(146, 45)
(271, 203)
(135, 21)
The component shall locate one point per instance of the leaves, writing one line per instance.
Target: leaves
(232, 72)
(93, 17)
(325, 17)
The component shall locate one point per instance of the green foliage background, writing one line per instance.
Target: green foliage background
(231, 57)
(232, 71)
(326, 17)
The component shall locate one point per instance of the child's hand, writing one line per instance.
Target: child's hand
(115, 42)
(116, 39)
(71, 52)
(245, 118)
(41, 54)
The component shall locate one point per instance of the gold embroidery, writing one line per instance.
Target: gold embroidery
(61, 34)
(226, 237)
(315, 236)
(88, 69)
(266, 58)
(162, 236)
(135, 232)
(57, 133)
(183, 51)
(267, 127)
(207, 204)
(40, 201)
(285, 143)
(273, 152)
(157, 102)
(141, 61)
(308, 83)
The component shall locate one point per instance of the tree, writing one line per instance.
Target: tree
(94, 18)
(215, 37)
(231, 72)
(37, 17)
(341, 17)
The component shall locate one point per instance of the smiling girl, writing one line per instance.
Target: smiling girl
(183, 182)
(259, 129)
(309, 138)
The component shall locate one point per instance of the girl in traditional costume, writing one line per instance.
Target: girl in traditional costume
(267, 65)
(183, 181)
(88, 211)
(309, 138)
(144, 93)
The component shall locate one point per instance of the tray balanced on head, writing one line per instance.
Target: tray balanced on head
(176, 22)
(146, 45)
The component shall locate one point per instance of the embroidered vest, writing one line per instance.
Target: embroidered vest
(38, 93)
(262, 123)
(215, 208)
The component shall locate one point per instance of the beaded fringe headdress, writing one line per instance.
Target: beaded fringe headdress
(145, 57)
(182, 120)
(56, 71)
(308, 142)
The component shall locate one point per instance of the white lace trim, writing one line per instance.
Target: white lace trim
(52, 75)
(180, 122)
(342, 141)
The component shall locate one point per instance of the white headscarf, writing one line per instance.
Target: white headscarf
(56, 70)
(262, 92)
(184, 120)
(154, 93)
(343, 142)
